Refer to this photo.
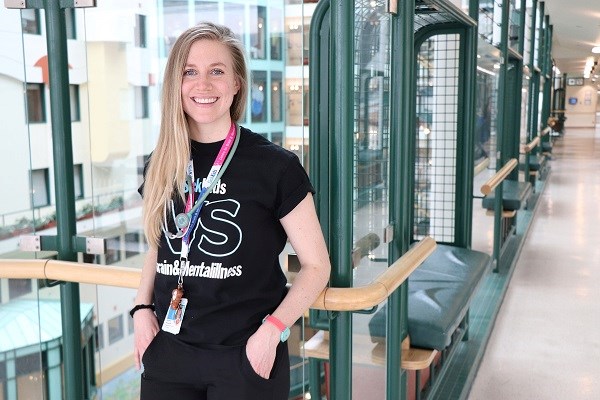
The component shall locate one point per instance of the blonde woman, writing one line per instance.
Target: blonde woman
(212, 312)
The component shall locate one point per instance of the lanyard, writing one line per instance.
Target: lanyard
(194, 208)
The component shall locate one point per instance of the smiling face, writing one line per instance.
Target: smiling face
(208, 86)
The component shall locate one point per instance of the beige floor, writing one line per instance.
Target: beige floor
(546, 340)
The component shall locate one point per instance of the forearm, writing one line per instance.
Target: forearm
(146, 288)
(308, 284)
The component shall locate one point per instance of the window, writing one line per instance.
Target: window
(40, 187)
(115, 329)
(141, 102)
(113, 250)
(99, 335)
(236, 19)
(78, 178)
(30, 21)
(74, 98)
(129, 325)
(276, 97)
(277, 138)
(206, 11)
(18, 287)
(70, 23)
(258, 103)
(258, 31)
(276, 30)
(36, 110)
(132, 244)
(140, 31)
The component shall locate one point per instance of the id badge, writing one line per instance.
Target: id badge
(172, 323)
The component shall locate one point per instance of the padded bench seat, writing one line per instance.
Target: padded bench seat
(439, 293)
(514, 194)
(536, 162)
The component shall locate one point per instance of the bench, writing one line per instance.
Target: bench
(514, 196)
(538, 165)
(439, 294)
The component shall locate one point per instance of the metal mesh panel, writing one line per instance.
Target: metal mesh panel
(437, 109)
(427, 14)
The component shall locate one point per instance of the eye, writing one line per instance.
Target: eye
(216, 71)
(189, 72)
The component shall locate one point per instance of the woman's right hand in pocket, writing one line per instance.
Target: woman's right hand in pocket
(145, 328)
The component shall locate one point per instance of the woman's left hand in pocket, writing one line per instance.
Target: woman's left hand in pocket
(261, 349)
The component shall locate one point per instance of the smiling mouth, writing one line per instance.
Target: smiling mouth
(205, 100)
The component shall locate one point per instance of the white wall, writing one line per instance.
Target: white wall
(580, 106)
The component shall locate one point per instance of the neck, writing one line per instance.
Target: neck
(210, 133)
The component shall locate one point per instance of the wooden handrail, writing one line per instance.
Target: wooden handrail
(70, 272)
(338, 299)
(531, 145)
(499, 176)
(545, 131)
(368, 296)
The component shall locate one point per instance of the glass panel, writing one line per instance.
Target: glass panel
(514, 25)
(117, 53)
(437, 106)
(371, 184)
(488, 59)
(488, 63)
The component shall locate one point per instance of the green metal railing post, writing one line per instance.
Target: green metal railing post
(547, 71)
(501, 156)
(341, 105)
(402, 154)
(534, 78)
(60, 113)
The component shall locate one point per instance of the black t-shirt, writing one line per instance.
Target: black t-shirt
(234, 277)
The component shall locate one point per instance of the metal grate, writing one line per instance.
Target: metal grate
(437, 110)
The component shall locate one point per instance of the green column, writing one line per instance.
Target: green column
(534, 78)
(503, 124)
(402, 153)
(342, 113)
(60, 114)
(547, 71)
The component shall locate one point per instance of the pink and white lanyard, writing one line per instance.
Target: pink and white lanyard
(187, 220)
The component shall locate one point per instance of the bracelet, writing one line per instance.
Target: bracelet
(139, 307)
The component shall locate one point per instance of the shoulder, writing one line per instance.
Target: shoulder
(260, 146)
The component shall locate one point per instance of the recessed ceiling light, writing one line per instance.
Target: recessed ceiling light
(596, 49)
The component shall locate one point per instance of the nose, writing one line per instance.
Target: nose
(203, 82)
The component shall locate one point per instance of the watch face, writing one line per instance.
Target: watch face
(285, 334)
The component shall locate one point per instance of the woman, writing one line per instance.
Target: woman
(218, 267)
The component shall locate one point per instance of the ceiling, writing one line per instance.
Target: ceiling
(576, 29)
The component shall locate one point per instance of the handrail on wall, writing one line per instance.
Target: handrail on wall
(527, 148)
(368, 296)
(338, 299)
(499, 176)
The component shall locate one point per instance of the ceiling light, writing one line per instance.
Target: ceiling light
(596, 49)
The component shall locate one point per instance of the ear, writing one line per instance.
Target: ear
(237, 85)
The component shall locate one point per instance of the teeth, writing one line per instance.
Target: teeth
(205, 100)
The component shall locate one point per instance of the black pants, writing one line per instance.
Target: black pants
(175, 370)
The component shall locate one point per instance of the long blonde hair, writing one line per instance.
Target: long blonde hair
(166, 173)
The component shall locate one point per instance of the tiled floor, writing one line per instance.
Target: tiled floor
(546, 340)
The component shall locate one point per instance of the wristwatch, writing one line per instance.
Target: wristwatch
(285, 331)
